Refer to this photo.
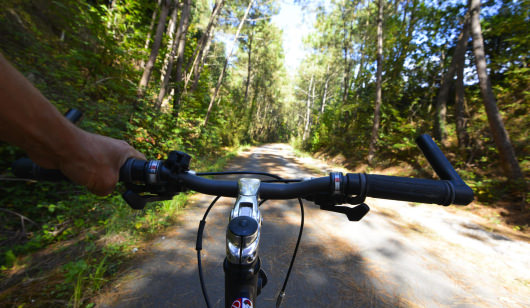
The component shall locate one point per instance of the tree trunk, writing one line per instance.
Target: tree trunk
(174, 41)
(441, 101)
(346, 51)
(325, 94)
(500, 135)
(220, 80)
(249, 68)
(151, 26)
(249, 117)
(183, 31)
(171, 29)
(202, 60)
(378, 86)
(154, 50)
(203, 44)
(360, 73)
(460, 115)
(308, 110)
(460, 58)
(166, 73)
(440, 106)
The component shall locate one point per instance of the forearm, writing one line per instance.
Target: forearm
(29, 121)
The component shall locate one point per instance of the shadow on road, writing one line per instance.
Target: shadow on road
(328, 272)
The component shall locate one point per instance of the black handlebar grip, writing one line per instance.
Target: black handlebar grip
(25, 168)
(410, 189)
(133, 170)
(437, 159)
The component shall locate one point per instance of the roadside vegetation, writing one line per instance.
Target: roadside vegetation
(380, 73)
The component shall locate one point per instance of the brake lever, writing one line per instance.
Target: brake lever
(138, 202)
(330, 203)
(353, 213)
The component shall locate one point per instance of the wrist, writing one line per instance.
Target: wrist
(60, 142)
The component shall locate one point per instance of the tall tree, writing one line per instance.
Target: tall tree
(500, 135)
(441, 100)
(183, 30)
(181, 36)
(327, 77)
(196, 61)
(378, 85)
(220, 79)
(176, 50)
(151, 27)
(164, 10)
(460, 62)
(309, 105)
(249, 67)
(171, 34)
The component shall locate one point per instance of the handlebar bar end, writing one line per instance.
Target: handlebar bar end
(463, 195)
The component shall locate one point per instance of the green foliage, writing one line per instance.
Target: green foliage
(419, 38)
(87, 55)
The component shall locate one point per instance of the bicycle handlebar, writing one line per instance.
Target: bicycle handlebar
(378, 186)
(450, 190)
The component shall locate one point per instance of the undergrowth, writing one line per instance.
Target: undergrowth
(85, 241)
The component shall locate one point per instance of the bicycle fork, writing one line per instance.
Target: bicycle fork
(244, 277)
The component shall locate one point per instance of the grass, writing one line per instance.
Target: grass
(102, 237)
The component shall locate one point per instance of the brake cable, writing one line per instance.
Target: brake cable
(281, 295)
(198, 247)
(241, 172)
(202, 224)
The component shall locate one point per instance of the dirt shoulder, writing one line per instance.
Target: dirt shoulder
(504, 217)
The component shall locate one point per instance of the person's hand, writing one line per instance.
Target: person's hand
(92, 160)
(29, 121)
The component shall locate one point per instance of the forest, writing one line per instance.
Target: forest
(209, 76)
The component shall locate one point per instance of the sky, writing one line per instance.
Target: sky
(295, 23)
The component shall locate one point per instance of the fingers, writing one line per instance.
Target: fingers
(104, 188)
(135, 154)
(99, 165)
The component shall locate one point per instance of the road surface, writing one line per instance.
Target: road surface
(399, 255)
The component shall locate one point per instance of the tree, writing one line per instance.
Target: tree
(183, 30)
(249, 67)
(167, 66)
(164, 10)
(500, 135)
(170, 33)
(309, 105)
(460, 114)
(456, 64)
(176, 49)
(151, 26)
(220, 79)
(378, 86)
(194, 66)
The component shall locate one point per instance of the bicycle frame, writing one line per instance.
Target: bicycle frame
(244, 277)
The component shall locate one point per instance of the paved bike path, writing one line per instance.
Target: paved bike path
(399, 255)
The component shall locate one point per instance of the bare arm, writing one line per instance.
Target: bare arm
(29, 121)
